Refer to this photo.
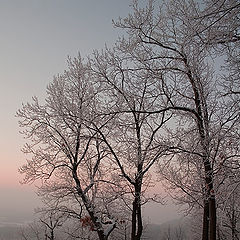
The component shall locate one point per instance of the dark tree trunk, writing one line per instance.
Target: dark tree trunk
(209, 231)
(52, 235)
(137, 226)
(139, 218)
(212, 217)
(205, 221)
(211, 201)
(134, 219)
(209, 227)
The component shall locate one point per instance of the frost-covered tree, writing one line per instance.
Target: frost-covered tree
(156, 97)
(66, 154)
(137, 139)
(48, 226)
(177, 43)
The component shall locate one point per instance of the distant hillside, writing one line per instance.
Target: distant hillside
(175, 229)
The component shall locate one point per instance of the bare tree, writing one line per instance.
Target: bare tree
(174, 233)
(46, 226)
(153, 98)
(32, 231)
(229, 212)
(176, 43)
(136, 139)
(66, 154)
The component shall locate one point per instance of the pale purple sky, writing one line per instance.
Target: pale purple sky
(35, 39)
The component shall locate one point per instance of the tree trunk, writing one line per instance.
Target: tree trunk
(52, 234)
(89, 207)
(209, 219)
(134, 219)
(139, 219)
(211, 202)
(209, 229)
(212, 217)
(205, 221)
(137, 226)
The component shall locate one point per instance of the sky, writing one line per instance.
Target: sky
(36, 37)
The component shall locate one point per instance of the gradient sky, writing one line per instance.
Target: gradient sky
(35, 39)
